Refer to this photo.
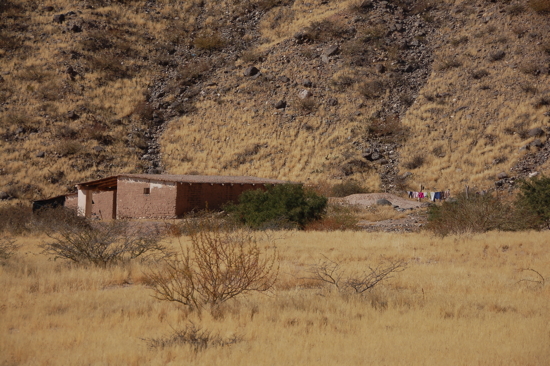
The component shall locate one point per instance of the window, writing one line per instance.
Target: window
(146, 190)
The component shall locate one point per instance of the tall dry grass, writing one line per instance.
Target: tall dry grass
(462, 300)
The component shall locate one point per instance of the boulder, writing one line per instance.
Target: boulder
(75, 28)
(300, 37)
(72, 115)
(280, 104)
(383, 202)
(4, 195)
(535, 132)
(59, 18)
(284, 79)
(304, 94)
(251, 71)
(380, 68)
(332, 102)
(331, 51)
(40, 154)
(72, 73)
(374, 156)
(502, 175)
(307, 83)
(537, 143)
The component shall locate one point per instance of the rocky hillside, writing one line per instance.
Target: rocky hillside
(389, 93)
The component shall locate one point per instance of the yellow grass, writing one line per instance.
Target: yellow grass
(461, 301)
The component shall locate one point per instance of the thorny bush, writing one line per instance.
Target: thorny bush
(103, 244)
(332, 273)
(219, 264)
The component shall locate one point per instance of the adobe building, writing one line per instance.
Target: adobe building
(133, 196)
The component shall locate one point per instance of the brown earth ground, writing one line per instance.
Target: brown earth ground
(415, 212)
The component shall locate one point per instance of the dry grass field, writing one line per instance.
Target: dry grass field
(468, 300)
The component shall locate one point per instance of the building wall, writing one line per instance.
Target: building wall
(71, 201)
(103, 205)
(199, 196)
(138, 198)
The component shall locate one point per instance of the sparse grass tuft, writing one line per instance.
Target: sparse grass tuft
(416, 162)
(479, 74)
(372, 89)
(443, 65)
(209, 41)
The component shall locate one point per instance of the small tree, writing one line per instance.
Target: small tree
(290, 203)
(534, 197)
(101, 244)
(219, 265)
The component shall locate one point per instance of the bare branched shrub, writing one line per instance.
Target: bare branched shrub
(307, 105)
(209, 42)
(220, 264)
(458, 41)
(416, 162)
(515, 9)
(479, 74)
(195, 337)
(68, 147)
(102, 244)
(7, 248)
(451, 63)
(497, 56)
(332, 273)
(372, 89)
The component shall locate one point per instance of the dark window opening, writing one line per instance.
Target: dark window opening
(146, 190)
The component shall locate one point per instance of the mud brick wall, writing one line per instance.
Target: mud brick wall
(198, 196)
(134, 202)
(103, 206)
(71, 202)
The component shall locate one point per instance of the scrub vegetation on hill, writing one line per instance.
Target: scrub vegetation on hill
(456, 92)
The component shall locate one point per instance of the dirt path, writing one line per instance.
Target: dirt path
(369, 199)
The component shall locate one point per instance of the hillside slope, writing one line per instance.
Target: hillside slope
(368, 90)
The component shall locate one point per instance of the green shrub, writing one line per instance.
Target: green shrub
(476, 214)
(534, 197)
(278, 205)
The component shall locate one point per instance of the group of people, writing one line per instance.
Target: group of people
(432, 196)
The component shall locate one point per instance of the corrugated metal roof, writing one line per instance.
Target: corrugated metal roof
(110, 183)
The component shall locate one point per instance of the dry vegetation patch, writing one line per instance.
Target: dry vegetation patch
(454, 292)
